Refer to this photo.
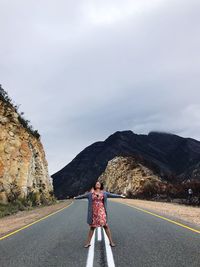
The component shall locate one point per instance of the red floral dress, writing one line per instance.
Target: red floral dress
(98, 210)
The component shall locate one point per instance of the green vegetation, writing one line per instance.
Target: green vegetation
(11, 208)
(28, 203)
(17, 203)
(25, 123)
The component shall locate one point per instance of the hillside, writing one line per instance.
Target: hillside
(170, 157)
(23, 166)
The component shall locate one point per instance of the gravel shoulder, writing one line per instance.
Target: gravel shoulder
(181, 213)
(13, 222)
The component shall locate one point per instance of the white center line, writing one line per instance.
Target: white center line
(90, 257)
(110, 259)
(99, 234)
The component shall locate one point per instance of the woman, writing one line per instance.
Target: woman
(97, 210)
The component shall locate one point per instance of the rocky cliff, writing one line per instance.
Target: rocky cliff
(130, 176)
(23, 166)
(170, 157)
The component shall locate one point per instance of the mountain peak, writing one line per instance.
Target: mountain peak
(164, 152)
(161, 133)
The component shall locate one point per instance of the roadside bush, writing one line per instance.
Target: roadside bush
(11, 208)
(4, 97)
(149, 188)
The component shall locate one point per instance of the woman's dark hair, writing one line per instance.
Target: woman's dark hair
(100, 183)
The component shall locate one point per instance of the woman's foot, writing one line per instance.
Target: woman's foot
(112, 244)
(87, 245)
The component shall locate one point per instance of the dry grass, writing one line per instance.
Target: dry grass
(184, 213)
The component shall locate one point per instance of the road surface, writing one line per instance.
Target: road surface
(141, 240)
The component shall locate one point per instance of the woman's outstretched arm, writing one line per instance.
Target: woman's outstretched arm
(82, 196)
(114, 195)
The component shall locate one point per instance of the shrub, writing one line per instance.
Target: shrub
(11, 208)
(149, 188)
(25, 123)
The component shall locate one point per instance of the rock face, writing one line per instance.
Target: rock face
(168, 156)
(23, 166)
(129, 176)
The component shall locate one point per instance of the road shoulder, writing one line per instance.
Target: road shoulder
(186, 215)
(13, 222)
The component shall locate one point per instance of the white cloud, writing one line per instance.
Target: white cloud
(109, 12)
(84, 69)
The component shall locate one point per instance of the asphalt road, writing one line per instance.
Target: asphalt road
(141, 240)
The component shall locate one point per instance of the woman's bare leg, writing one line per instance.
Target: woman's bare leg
(108, 232)
(90, 234)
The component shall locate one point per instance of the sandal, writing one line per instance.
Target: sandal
(87, 245)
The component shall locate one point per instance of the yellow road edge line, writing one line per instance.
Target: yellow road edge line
(164, 218)
(26, 226)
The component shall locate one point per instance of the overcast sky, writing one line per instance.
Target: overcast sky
(83, 69)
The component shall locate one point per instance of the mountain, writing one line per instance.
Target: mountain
(23, 165)
(168, 156)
